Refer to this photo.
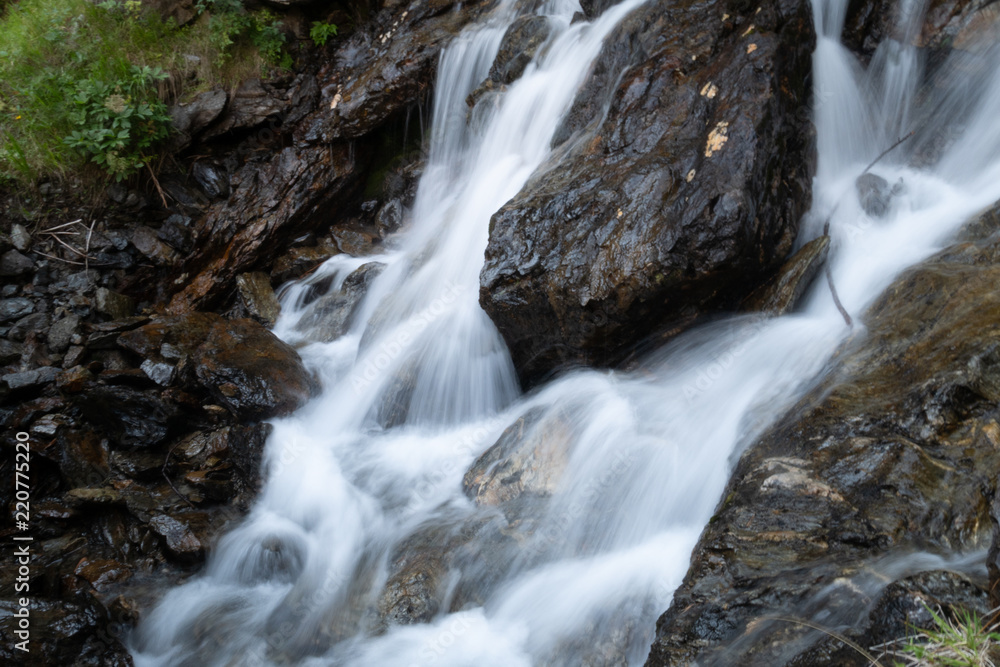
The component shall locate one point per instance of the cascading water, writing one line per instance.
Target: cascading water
(420, 384)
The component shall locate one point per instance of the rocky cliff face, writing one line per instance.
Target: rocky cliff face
(895, 451)
(680, 176)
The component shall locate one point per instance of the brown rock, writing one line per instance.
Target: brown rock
(782, 293)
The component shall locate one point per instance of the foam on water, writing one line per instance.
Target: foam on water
(647, 454)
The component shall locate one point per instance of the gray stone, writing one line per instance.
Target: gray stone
(31, 379)
(25, 325)
(20, 237)
(61, 333)
(114, 305)
(13, 263)
(12, 309)
(258, 297)
(159, 372)
(9, 351)
(874, 194)
(191, 118)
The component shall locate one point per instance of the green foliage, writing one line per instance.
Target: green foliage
(229, 21)
(84, 83)
(120, 122)
(320, 32)
(964, 641)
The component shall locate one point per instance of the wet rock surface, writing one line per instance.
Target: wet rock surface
(782, 293)
(685, 192)
(894, 452)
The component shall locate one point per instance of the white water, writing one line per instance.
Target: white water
(648, 453)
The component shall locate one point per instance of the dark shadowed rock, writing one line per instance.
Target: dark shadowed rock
(782, 293)
(379, 72)
(245, 367)
(874, 194)
(132, 417)
(258, 297)
(329, 317)
(13, 263)
(269, 203)
(690, 188)
(180, 541)
(252, 103)
(896, 450)
(529, 458)
(12, 309)
(191, 118)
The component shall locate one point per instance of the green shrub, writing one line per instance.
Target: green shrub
(84, 83)
(320, 32)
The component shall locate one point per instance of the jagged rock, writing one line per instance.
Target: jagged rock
(782, 293)
(181, 542)
(63, 632)
(594, 8)
(9, 351)
(114, 305)
(30, 379)
(329, 317)
(12, 309)
(520, 44)
(251, 104)
(132, 418)
(62, 332)
(20, 237)
(684, 194)
(269, 203)
(400, 52)
(213, 180)
(298, 261)
(245, 367)
(529, 458)
(257, 297)
(13, 263)
(894, 450)
(191, 118)
(874, 194)
(148, 243)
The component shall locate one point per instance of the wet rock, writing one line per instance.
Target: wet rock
(190, 119)
(248, 370)
(252, 103)
(180, 541)
(389, 218)
(874, 193)
(519, 46)
(102, 572)
(28, 324)
(9, 351)
(30, 379)
(299, 261)
(379, 72)
(63, 632)
(241, 364)
(329, 317)
(782, 293)
(13, 263)
(146, 241)
(12, 309)
(114, 305)
(893, 451)
(594, 8)
(269, 203)
(62, 332)
(20, 237)
(529, 458)
(74, 380)
(692, 184)
(131, 417)
(159, 372)
(212, 179)
(258, 297)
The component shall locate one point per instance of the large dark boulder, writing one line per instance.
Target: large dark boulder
(895, 451)
(242, 365)
(679, 201)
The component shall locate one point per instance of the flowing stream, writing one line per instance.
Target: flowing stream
(420, 384)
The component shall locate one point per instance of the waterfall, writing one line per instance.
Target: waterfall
(419, 384)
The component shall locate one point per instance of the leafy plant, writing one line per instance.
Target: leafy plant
(963, 641)
(229, 21)
(119, 122)
(320, 32)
